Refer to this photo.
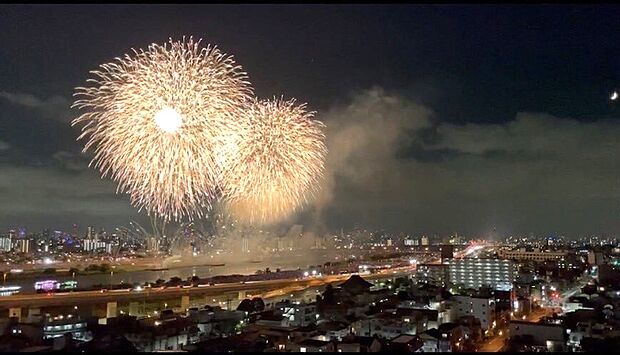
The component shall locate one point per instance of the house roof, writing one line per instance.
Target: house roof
(356, 281)
(404, 339)
(332, 325)
(269, 315)
(446, 327)
(313, 342)
(405, 343)
(430, 314)
(433, 332)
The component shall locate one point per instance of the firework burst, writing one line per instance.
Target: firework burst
(155, 120)
(273, 162)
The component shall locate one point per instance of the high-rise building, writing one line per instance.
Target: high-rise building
(90, 232)
(245, 244)
(152, 245)
(424, 240)
(95, 245)
(282, 243)
(411, 242)
(318, 242)
(595, 258)
(23, 246)
(389, 242)
(6, 243)
(475, 273)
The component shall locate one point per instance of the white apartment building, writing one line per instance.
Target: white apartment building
(480, 307)
(475, 273)
(298, 314)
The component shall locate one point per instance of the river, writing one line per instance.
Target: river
(288, 262)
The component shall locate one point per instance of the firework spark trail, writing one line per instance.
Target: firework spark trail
(156, 119)
(275, 161)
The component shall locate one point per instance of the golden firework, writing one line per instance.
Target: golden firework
(273, 162)
(156, 119)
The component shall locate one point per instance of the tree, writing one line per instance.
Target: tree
(258, 304)
(589, 290)
(328, 294)
(194, 280)
(104, 268)
(50, 270)
(403, 295)
(92, 267)
(401, 281)
(74, 270)
(175, 280)
(246, 306)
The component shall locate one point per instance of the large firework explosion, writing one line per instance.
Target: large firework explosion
(275, 162)
(156, 120)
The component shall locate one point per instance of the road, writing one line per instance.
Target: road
(86, 297)
(495, 344)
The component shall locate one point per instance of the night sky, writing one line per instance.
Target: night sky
(440, 119)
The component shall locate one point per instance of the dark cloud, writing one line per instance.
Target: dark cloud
(535, 173)
(390, 165)
(56, 107)
(486, 122)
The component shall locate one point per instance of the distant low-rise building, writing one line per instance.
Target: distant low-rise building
(297, 313)
(384, 327)
(56, 327)
(551, 336)
(536, 254)
(312, 346)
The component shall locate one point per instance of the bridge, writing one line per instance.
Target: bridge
(111, 298)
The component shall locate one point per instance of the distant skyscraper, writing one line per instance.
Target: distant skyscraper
(90, 232)
(411, 242)
(6, 243)
(281, 243)
(595, 258)
(424, 240)
(245, 244)
(23, 246)
(318, 242)
(152, 245)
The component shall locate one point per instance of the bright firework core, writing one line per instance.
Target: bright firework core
(168, 119)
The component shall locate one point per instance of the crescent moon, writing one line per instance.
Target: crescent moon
(614, 95)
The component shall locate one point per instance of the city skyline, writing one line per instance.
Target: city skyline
(437, 121)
